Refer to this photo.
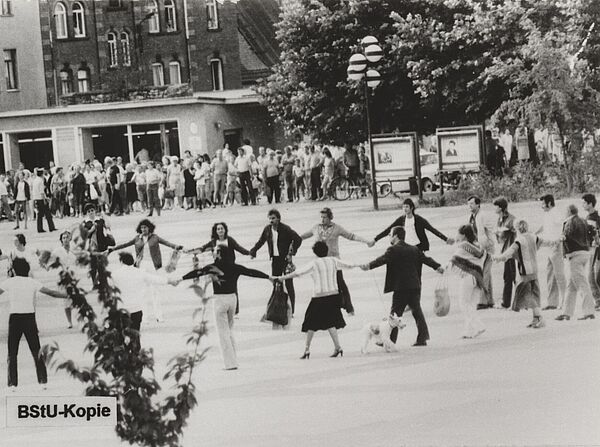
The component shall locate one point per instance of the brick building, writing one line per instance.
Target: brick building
(166, 75)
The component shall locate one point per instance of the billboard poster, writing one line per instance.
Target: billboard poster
(394, 156)
(460, 148)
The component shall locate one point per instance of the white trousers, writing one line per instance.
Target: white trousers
(224, 307)
(153, 292)
(468, 298)
(578, 282)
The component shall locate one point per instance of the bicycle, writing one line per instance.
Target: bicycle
(342, 188)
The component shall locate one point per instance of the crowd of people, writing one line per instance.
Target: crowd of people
(191, 183)
(571, 241)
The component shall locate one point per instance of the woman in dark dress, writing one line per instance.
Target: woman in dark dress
(78, 189)
(131, 189)
(189, 186)
(220, 238)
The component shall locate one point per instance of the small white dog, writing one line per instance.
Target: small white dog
(380, 332)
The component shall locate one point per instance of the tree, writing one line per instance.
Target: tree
(124, 369)
(309, 90)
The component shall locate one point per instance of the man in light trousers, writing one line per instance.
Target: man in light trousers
(551, 230)
(576, 248)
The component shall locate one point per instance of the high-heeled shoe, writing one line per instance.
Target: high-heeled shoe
(337, 352)
(305, 356)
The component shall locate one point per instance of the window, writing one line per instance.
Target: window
(115, 3)
(174, 73)
(212, 14)
(5, 7)
(83, 80)
(78, 20)
(60, 20)
(10, 66)
(170, 16)
(66, 81)
(153, 21)
(216, 69)
(113, 60)
(125, 49)
(158, 75)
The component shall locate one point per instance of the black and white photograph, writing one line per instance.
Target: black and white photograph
(267, 223)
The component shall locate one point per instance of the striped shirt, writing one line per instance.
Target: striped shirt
(324, 274)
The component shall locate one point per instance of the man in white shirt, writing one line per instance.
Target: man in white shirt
(485, 232)
(38, 195)
(153, 179)
(243, 164)
(130, 280)
(21, 292)
(551, 229)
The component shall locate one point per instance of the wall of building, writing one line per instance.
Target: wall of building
(200, 127)
(20, 31)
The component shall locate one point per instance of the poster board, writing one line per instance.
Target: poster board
(460, 148)
(395, 156)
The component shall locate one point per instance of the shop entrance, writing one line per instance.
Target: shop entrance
(35, 149)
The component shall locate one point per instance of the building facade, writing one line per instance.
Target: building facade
(164, 75)
(22, 80)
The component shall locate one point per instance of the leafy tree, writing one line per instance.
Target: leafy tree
(124, 369)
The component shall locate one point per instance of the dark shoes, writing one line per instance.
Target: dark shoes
(549, 308)
(305, 356)
(485, 306)
(420, 343)
(337, 352)
(563, 318)
(588, 317)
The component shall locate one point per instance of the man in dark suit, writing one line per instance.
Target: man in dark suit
(403, 277)
(283, 243)
(415, 227)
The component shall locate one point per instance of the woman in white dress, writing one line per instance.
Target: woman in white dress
(175, 180)
(465, 279)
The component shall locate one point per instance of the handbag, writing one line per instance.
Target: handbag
(277, 309)
(441, 303)
(172, 265)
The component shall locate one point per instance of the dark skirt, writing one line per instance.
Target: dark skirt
(527, 295)
(189, 184)
(323, 313)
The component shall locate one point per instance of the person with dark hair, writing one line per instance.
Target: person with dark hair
(21, 293)
(220, 238)
(39, 197)
(494, 159)
(148, 257)
(66, 256)
(576, 248)
(484, 231)
(283, 243)
(328, 173)
(131, 281)
(323, 312)
(22, 197)
(551, 230)
(330, 233)
(403, 277)
(593, 222)
(270, 174)
(465, 279)
(415, 227)
(315, 162)
(288, 160)
(224, 274)
(505, 235)
(153, 180)
(20, 250)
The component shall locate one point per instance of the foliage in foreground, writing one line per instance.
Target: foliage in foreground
(124, 369)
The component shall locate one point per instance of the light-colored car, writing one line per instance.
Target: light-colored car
(429, 171)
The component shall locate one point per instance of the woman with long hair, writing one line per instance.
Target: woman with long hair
(328, 173)
(149, 257)
(465, 277)
(220, 238)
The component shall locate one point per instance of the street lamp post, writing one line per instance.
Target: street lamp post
(358, 68)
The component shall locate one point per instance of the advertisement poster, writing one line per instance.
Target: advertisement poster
(394, 157)
(460, 148)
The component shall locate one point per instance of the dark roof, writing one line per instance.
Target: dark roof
(256, 23)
